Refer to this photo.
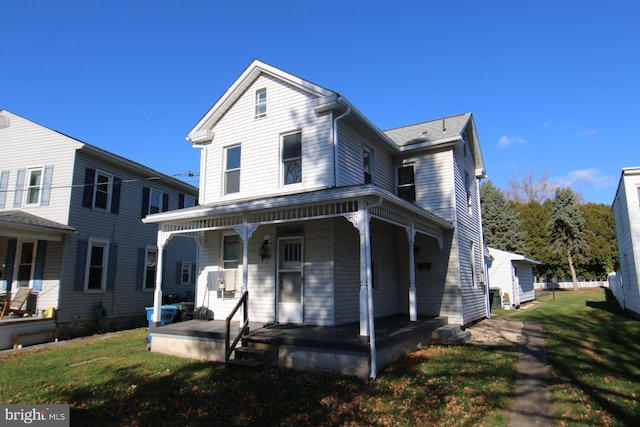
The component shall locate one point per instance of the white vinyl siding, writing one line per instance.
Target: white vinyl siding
(289, 110)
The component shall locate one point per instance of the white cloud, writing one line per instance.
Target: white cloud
(593, 177)
(588, 132)
(506, 141)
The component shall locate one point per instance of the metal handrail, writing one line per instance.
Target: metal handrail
(230, 347)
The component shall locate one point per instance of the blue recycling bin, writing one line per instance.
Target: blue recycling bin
(167, 314)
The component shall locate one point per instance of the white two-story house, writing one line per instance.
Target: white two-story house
(326, 220)
(71, 229)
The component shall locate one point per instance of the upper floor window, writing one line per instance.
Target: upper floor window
(97, 257)
(261, 103)
(34, 186)
(230, 251)
(232, 170)
(292, 158)
(367, 160)
(155, 201)
(102, 190)
(468, 185)
(186, 201)
(407, 183)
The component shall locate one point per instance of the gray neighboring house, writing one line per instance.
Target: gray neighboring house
(626, 212)
(71, 229)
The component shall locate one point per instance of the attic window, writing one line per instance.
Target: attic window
(261, 103)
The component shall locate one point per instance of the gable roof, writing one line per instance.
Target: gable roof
(230, 96)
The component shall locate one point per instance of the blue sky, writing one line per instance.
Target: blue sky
(553, 85)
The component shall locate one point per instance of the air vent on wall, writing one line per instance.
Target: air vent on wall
(4, 122)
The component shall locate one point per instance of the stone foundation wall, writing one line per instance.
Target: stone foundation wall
(83, 328)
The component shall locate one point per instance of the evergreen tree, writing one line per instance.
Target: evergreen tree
(567, 230)
(534, 218)
(603, 255)
(500, 222)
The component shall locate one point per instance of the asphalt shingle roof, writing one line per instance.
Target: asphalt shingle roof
(25, 219)
(429, 131)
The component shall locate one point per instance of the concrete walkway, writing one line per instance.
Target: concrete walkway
(532, 406)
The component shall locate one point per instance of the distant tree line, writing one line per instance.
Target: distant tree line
(575, 241)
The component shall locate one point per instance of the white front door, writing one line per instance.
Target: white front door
(290, 288)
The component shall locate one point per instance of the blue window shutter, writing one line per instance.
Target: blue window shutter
(142, 252)
(38, 272)
(8, 269)
(193, 274)
(89, 181)
(165, 202)
(115, 196)
(81, 264)
(145, 202)
(46, 185)
(112, 262)
(17, 198)
(180, 201)
(4, 184)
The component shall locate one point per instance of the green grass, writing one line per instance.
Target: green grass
(593, 350)
(113, 381)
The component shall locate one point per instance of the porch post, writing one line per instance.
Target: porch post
(358, 221)
(245, 231)
(163, 238)
(413, 303)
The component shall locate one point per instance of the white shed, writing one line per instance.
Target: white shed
(512, 275)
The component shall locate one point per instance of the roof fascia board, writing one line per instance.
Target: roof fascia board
(137, 168)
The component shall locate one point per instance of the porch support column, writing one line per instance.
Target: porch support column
(245, 231)
(361, 222)
(413, 303)
(163, 239)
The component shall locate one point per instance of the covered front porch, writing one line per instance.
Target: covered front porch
(336, 349)
(323, 262)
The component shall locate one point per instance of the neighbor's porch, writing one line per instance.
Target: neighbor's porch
(336, 349)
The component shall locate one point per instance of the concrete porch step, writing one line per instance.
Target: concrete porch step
(246, 353)
(249, 363)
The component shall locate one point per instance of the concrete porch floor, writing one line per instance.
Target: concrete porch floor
(338, 349)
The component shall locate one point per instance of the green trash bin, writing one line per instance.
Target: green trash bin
(494, 298)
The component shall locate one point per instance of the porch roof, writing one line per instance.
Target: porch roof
(324, 203)
(17, 223)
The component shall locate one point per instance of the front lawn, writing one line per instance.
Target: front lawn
(112, 380)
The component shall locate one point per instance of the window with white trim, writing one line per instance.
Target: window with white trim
(468, 185)
(97, 258)
(367, 164)
(155, 201)
(230, 251)
(150, 268)
(34, 186)
(474, 279)
(185, 274)
(261, 103)
(407, 183)
(102, 190)
(232, 169)
(292, 158)
(189, 201)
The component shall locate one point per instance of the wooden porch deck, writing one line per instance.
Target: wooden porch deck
(338, 348)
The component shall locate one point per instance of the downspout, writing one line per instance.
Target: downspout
(372, 327)
(335, 143)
